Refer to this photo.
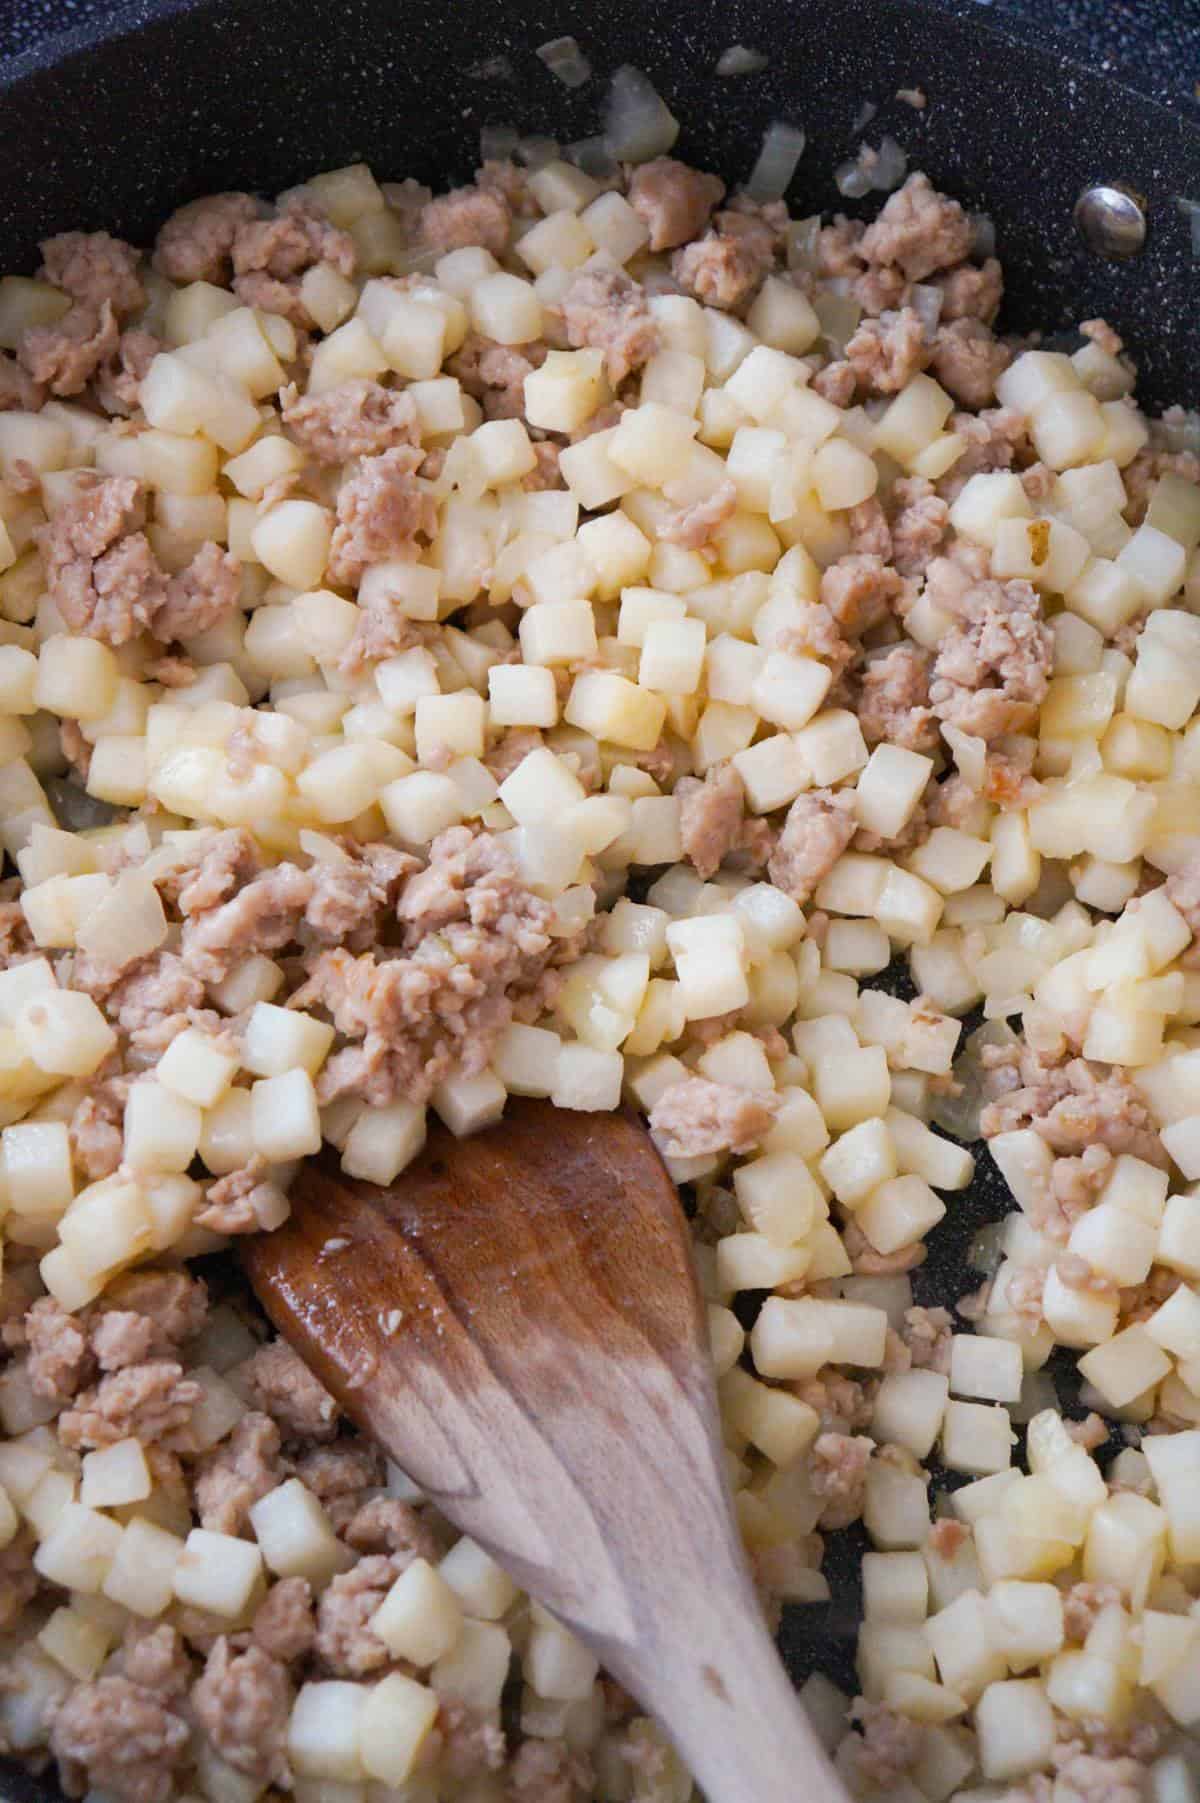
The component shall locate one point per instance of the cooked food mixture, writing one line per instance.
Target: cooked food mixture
(567, 637)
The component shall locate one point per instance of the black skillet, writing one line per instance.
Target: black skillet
(113, 126)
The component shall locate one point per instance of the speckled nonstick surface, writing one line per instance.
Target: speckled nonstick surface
(114, 124)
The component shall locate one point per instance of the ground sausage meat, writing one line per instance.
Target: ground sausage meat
(993, 666)
(1073, 1106)
(893, 699)
(495, 375)
(200, 596)
(243, 1202)
(284, 1627)
(467, 216)
(726, 268)
(919, 525)
(231, 1478)
(819, 826)
(93, 267)
(118, 381)
(242, 1701)
(412, 1018)
(886, 353)
(196, 243)
(344, 1644)
(838, 1473)
(859, 591)
(115, 1736)
(283, 1387)
(381, 510)
(695, 1118)
(64, 357)
(18, 390)
(974, 291)
(270, 257)
(60, 1357)
(100, 571)
(919, 230)
(355, 419)
(607, 311)
(672, 201)
(712, 817)
(967, 361)
(148, 1402)
(694, 526)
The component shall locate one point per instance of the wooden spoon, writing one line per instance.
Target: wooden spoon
(517, 1322)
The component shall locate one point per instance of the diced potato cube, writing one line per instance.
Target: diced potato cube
(395, 1721)
(1015, 1725)
(115, 1475)
(217, 1572)
(474, 1670)
(909, 1409)
(324, 1731)
(420, 1619)
(483, 1589)
(985, 1367)
(284, 1117)
(294, 1534)
(65, 1032)
(976, 1439)
(141, 1576)
(79, 1548)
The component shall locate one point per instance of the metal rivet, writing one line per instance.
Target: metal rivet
(1112, 221)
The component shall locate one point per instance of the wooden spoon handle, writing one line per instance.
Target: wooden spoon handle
(533, 1354)
(724, 1697)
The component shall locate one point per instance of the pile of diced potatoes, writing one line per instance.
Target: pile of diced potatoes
(624, 636)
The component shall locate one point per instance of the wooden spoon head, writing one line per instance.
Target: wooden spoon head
(513, 1320)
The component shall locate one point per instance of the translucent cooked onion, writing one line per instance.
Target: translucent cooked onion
(492, 68)
(76, 810)
(891, 166)
(782, 148)
(983, 235)
(970, 755)
(1037, 1393)
(1191, 212)
(987, 1248)
(863, 117)
(959, 1114)
(420, 260)
(839, 315)
(593, 156)
(638, 124)
(1180, 429)
(802, 236)
(497, 142)
(535, 153)
(565, 61)
(851, 179)
(926, 301)
(738, 60)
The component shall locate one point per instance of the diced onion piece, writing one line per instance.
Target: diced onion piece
(926, 302)
(782, 148)
(891, 167)
(594, 156)
(638, 123)
(851, 178)
(1191, 212)
(565, 61)
(536, 152)
(497, 142)
(738, 60)
(983, 235)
